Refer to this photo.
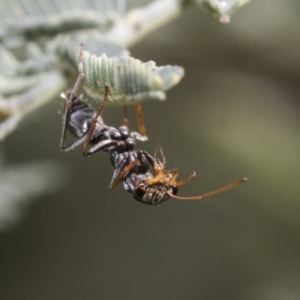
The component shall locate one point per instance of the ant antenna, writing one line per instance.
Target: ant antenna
(212, 193)
(157, 160)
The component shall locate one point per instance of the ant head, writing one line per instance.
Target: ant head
(167, 180)
(152, 195)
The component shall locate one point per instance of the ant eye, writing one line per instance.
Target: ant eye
(139, 193)
(175, 189)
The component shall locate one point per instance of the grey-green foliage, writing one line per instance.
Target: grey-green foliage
(38, 36)
(20, 184)
(130, 80)
(37, 18)
(33, 27)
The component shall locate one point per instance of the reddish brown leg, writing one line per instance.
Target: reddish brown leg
(125, 119)
(140, 119)
(123, 174)
(185, 181)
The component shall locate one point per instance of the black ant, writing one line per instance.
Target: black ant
(130, 166)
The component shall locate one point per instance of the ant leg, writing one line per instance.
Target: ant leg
(68, 107)
(125, 119)
(212, 193)
(141, 136)
(80, 72)
(70, 98)
(103, 145)
(157, 179)
(185, 181)
(94, 122)
(140, 119)
(74, 144)
(121, 174)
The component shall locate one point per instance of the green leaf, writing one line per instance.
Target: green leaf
(130, 80)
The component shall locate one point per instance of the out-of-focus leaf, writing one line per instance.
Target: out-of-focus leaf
(20, 184)
(130, 80)
(36, 18)
(222, 9)
(16, 107)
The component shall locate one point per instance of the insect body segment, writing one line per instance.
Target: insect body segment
(142, 175)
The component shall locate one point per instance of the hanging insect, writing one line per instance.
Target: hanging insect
(131, 167)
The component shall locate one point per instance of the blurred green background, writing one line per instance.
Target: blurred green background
(235, 114)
